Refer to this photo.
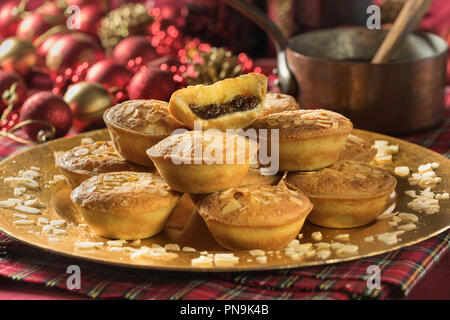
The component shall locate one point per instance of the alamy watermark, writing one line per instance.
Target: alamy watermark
(73, 20)
(374, 280)
(374, 19)
(73, 281)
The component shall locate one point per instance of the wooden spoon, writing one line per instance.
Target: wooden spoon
(408, 19)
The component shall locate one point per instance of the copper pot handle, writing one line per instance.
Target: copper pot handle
(287, 82)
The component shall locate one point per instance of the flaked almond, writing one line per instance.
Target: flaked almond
(231, 206)
(296, 200)
(408, 217)
(407, 227)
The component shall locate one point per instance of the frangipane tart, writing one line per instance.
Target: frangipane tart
(307, 139)
(203, 161)
(136, 125)
(255, 217)
(357, 149)
(125, 205)
(227, 104)
(278, 102)
(85, 161)
(346, 195)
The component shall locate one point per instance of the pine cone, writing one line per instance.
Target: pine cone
(214, 65)
(129, 19)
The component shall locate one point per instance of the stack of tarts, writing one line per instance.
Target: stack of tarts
(208, 142)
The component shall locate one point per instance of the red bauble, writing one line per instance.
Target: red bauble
(43, 48)
(6, 80)
(48, 107)
(152, 83)
(90, 17)
(8, 19)
(109, 73)
(104, 4)
(35, 25)
(72, 49)
(38, 81)
(133, 47)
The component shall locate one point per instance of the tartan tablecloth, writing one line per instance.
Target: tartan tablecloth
(400, 270)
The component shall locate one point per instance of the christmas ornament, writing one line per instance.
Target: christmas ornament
(37, 80)
(90, 16)
(47, 40)
(10, 15)
(109, 73)
(35, 24)
(104, 4)
(51, 110)
(152, 83)
(52, 8)
(129, 19)
(133, 47)
(88, 101)
(17, 55)
(13, 91)
(71, 50)
(212, 66)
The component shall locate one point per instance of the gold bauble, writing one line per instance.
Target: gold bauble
(17, 55)
(88, 101)
(127, 20)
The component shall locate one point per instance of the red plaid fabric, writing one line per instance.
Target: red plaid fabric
(400, 270)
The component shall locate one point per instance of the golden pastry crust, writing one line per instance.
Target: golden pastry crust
(85, 161)
(255, 217)
(308, 139)
(303, 124)
(203, 161)
(348, 194)
(357, 149)
(254, 177)
(125, 205)
(278, 102)
(136, 125)
(245, 93)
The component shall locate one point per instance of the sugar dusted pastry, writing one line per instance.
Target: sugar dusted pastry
(83, 162)
(348, 194)
(227, 104)
(203, 161)
(357, 149)
(136, 125)
(125, 205)
(255, 217)
(308, 139)
(278, 102)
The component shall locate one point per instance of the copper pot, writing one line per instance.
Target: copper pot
(331, 69)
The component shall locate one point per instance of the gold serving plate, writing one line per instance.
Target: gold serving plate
(187, 229)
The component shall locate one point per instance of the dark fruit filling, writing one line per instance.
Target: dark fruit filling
(215, 110)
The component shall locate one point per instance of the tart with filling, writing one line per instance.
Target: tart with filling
(255, 217)
(307, 139)
(348, 194)
(136, 125)
(85, 161)
(227, 104)
(357, 149)
(278, 102)
(125, 205)
(203, 161)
